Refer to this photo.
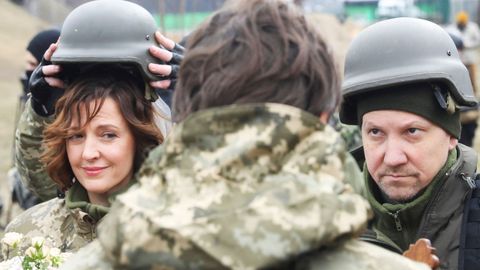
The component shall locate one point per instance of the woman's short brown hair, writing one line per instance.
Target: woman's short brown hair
(93, 87)
(255, 51)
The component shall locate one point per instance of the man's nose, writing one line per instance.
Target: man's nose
(394, 153)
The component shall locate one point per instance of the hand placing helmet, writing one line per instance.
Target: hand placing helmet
(126, 37)
(108, 31)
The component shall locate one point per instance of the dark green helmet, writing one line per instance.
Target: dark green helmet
(402, 51)
(108, 31)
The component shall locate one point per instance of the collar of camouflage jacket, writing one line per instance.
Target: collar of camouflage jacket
(243, 186)
(77, 197)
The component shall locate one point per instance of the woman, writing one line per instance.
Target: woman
(128, 36)
(104, 124)
(102, 132)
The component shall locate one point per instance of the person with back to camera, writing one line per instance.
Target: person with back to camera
(251, 177)
(97, 131)
(405, 91)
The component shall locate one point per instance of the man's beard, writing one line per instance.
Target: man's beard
(410, 192)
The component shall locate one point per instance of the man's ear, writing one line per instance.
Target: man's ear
(452, 143)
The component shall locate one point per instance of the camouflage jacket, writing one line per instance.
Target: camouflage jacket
(241, 187)
(28, 148)
(351, 134)
(67, 224)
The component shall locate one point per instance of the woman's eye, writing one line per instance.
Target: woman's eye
(109, 135)
(75, 137)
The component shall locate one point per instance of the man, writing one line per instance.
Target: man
(404, 90)
(252, 177)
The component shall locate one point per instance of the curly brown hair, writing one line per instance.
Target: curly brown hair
(92, 88)
(256, 51)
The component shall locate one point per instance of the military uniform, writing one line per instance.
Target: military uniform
(28, 149)
(351, 134)
(241, 187)
(67, 224)
(436, 214)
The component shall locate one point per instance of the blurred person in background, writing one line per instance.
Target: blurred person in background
(469, 34)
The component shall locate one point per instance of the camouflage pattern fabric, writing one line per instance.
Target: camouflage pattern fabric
(63, 228)
(240, 187)
(28, 149)
(351, 134)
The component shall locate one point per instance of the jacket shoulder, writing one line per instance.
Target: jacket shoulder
(44, 216)
(43, 220)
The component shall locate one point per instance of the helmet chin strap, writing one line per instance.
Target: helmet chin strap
(150, 93)
(444, 98)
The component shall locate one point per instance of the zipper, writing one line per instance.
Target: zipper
(398, 224)
(470, 181)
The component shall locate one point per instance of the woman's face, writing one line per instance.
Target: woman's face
(102, 155)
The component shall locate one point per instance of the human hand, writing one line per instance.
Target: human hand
(422, 251)
(44, 86)
(172, 55)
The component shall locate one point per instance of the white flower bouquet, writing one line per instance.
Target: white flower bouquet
(36, 257)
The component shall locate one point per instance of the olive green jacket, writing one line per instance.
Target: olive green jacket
(436, 214)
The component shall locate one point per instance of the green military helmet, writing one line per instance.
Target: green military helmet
(402, 51)
(108, 31)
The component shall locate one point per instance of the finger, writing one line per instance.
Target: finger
(50, 70)
(164, 41)
(163, 84)
(161, 54)
(178, 49)
(55, 82)
(173, 82)
(174, 71)
(176, 58)
(162, 70)
(49, 52)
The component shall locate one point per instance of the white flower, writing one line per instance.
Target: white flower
(55, 252)
(38, 241)
(30, 251)
(12, 239)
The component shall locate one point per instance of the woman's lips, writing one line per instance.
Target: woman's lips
(93, 171)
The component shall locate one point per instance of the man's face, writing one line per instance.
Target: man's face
(403, 151)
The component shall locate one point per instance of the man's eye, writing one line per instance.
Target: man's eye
(413, 130)
(374, 131)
